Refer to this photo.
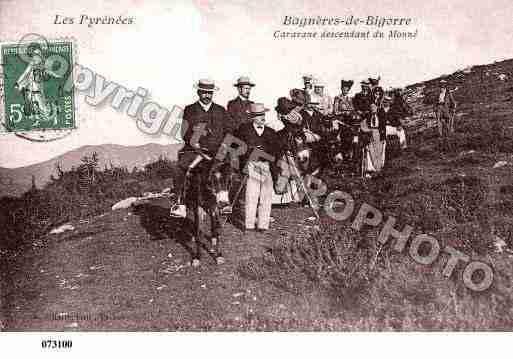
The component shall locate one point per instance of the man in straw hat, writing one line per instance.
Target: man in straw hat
(261, 142)
(308, 84)
(238, 107)
(325, 102)
(204, 126)
(311, 120)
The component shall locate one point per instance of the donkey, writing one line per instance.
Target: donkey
(207, 190)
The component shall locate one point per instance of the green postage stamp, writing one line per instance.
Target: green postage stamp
(37, 86)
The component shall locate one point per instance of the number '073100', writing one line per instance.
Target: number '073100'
(56, 344)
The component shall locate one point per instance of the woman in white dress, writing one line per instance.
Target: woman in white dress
(374, 135)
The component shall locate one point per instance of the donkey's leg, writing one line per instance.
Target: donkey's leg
(196, 237)
(216, 235)
(214, 215)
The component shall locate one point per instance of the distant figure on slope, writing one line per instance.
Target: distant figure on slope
(445, 108)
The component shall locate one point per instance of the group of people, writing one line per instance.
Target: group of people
(363, 122)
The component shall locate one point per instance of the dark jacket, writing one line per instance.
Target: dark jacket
(237, 109)
(399, 109)
(362, 102)
(312, 122)
(267, 142)
(216, 121)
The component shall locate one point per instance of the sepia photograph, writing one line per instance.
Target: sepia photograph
(255, 166)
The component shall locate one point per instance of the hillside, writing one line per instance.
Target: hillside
(130, 269)
(15, 181)
(480, 91)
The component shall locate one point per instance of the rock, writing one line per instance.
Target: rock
(500, 164)
(126, 203)
(499, 244)
(236, 295)
(62, 229)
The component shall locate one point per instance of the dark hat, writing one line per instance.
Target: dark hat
(374, 82)
(364, 83)
(298, 96)
(243, 80)
(206, 85)
(256, 109)
(344, 83)
(284, 106)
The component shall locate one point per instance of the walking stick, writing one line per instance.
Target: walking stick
(303, 187)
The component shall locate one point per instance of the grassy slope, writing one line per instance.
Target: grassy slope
(109, 268)
(341, 280)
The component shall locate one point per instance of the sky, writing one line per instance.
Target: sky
(172, 44)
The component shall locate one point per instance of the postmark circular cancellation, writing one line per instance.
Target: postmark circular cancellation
(37, 97)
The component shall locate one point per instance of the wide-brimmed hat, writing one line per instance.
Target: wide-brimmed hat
(387, 99)
(256, 109)
(206, 85)
(243, 80)
(344, 83)
(318, 83)
(374, 82)
(307, 78)
(284, 106)
(364, 83)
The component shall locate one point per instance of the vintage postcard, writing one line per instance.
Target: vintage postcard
(297, 166)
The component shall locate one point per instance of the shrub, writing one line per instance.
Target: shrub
(80, 192)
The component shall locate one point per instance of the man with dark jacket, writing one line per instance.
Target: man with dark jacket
(362, 100)
(204, 127)
(239, 106)
(259, 186)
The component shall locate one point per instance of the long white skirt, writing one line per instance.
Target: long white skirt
(374, 154)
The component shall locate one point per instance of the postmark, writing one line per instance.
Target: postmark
(37, 103)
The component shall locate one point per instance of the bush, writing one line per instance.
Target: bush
(81, 192)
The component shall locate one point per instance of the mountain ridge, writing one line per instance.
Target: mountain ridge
(15, 181)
